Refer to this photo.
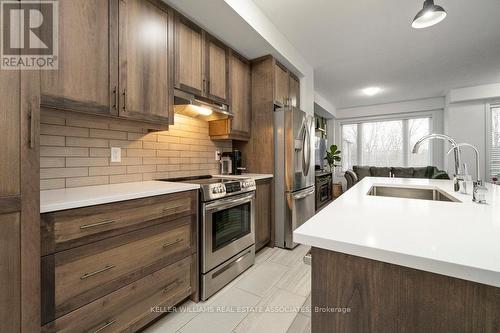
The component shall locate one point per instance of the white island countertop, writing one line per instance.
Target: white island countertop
(55, 200)
(457, 239)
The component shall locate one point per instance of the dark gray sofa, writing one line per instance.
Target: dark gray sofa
(359, 172)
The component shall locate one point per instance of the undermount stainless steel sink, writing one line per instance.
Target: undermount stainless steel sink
(411, 193)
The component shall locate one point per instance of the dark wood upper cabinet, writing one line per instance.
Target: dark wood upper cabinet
(189, 60)
(217, 70)
(87, 76)
(281, 84)
(241, 96)
(240, 91)
(294, 95)
(201, 62)
(145, 61)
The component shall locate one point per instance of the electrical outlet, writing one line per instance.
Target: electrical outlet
(116, 154)
(217, 155)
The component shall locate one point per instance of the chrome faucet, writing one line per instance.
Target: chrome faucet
(479, 190)
(458, 177)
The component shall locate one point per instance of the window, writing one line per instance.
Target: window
(385, 143)
(417, 128)
(349, 146)
(495, 141)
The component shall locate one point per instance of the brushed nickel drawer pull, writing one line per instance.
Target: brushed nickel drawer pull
(87, 275)
(169, 287)
(98, 224)
(107, 324)
(178, 240)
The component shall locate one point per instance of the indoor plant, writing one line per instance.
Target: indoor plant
(332, 156)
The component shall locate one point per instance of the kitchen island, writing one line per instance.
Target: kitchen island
(383, 263)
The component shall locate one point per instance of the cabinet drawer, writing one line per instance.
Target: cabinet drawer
(129, 308)
(70, 228)
(83, 274)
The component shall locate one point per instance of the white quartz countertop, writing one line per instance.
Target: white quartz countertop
(458, 239)
(55, 200)
(256, 176)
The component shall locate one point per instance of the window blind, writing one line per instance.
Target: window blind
(495, 141)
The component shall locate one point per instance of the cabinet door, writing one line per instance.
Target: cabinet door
(19, 201)
(241, 102)
(217, 62)
(86, 78)
(189, 63)
(281, 85)
(263, 213)
(294, 95)
(146, 61)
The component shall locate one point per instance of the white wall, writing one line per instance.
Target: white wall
(252, 14)
(465, 121)
(418, 105)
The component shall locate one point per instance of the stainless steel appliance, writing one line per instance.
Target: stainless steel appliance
(294, 172)
(323, 182)
(227, 230)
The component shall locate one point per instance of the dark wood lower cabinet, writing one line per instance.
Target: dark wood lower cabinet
(263, 213)
(110, 279)
(382, 297)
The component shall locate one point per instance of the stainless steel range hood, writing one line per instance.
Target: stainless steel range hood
(198, 107)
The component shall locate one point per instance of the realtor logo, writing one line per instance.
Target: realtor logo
(29, 34)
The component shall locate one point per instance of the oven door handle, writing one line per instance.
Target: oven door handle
(227, 203)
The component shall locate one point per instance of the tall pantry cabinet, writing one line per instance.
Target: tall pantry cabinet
(19, 201)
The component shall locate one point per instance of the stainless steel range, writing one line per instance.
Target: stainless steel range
(227, 229)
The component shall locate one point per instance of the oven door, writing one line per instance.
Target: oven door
(228, 229)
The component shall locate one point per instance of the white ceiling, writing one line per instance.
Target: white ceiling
(355, 44)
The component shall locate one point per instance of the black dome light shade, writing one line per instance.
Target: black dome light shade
(429, 15)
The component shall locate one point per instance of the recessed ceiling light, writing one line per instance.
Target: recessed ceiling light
(429, 15)
(371, 91)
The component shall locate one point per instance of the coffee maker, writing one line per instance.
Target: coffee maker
(231, 163)
(237, 163)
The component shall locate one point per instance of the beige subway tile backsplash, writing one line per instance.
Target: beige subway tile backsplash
(75, 150)
(86, 181)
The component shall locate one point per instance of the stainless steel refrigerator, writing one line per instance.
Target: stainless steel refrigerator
(294, 172)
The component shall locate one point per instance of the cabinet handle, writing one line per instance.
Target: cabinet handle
(31, 118)
(106, 324)
(87, 275)
(98, 224)
(178, 240)
(169, 286)
(115, 94)
(208, 86)
(124, 107)
(204, 87)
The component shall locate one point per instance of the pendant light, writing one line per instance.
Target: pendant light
(429, 15)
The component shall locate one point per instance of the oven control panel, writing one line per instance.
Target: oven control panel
(220, 190)
(248, 184)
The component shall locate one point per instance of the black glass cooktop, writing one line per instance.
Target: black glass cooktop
(201, 180)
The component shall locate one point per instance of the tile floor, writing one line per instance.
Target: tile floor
(272, 296)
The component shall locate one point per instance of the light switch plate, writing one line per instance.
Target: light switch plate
(116, 154)
(217, 155)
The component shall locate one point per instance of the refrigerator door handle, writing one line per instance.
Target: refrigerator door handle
(302, 195)
(306, 150)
